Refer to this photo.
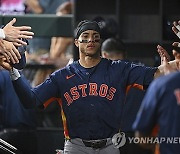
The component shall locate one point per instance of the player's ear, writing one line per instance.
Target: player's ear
(76, 42)
(104, 54)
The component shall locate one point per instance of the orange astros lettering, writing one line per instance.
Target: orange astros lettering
(91, 89)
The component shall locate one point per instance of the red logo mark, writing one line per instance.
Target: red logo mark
(69, 76)
(177, 94)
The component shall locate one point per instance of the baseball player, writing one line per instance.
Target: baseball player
(90, 92)
(17, 124)
(161, 108)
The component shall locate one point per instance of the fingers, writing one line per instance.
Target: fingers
(16, 52)
(5, 64)
(176, 28)
(176, 55)
(163, 53)
(23, 32)
(24, 28)
(20, 42)
(2, 56)
(12, 56)
(12, 21)
(10, 52)
(17, 44)
(26, 35)
(6, 57)
(176, 44)
(177, 25)
(164, 61)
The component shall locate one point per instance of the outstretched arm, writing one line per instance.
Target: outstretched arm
(31, 97)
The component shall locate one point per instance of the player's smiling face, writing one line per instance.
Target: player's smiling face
(89, 43)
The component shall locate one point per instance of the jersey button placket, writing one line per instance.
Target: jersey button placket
(88, 75)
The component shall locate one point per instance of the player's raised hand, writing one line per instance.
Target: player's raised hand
(15, 34)
(176, 44)
(9, 51)
(176, 30)
(163, 53)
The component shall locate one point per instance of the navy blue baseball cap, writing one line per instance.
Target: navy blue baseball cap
(22, 61)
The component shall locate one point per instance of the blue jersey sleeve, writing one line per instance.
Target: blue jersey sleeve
(38, 95)
(48, 90)
(133, 75)
(141, 75)
(146, 117)
(1, 81)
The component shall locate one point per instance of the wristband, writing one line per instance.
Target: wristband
(178, 27)
(14, 74)
(178, 34)
(2, 35)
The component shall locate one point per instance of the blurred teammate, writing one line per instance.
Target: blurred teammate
(161, 107)
(17, 124)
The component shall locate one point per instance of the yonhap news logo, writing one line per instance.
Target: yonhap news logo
(120, 140)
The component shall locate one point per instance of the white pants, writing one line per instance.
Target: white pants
(76, 146)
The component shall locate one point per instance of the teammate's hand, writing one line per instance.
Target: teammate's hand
(163, 53)
(176, 28)
(176, 55)
(5, 64)
(14, 34)
(167, 67)
(9, 51)
(172, 66)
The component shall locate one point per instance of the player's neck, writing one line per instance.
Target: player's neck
(89, 62)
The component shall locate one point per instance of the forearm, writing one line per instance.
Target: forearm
(34, 6)
(23, 90)
(24, 93)
(60, 47)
